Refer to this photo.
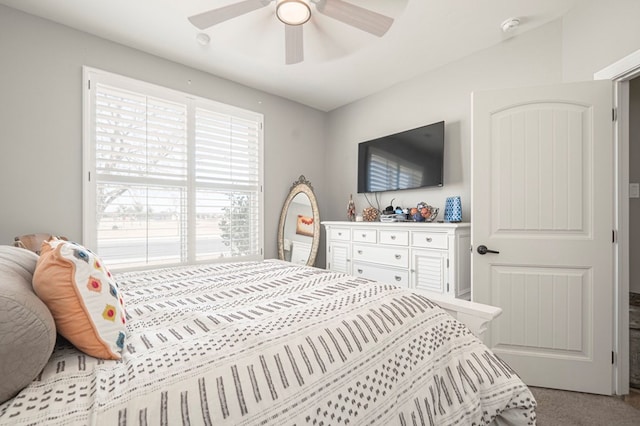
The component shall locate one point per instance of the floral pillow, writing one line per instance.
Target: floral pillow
(83, 298)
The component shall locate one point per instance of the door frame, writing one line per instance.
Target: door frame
(620, 72)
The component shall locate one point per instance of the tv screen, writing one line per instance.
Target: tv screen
(405, 160)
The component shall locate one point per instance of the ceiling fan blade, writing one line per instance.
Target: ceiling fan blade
(293, 48)
(356, 16)
(208, 19)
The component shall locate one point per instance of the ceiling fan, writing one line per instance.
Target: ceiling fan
(294, 13)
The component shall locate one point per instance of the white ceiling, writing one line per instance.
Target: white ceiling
(342, 64)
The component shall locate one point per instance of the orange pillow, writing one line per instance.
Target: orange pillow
(83, 298)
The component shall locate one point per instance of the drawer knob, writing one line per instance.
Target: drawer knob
(398, 278)
(359, 251)
(359, 271)
(393, 237)
(429, 239)
(364, 235)
(398, 256)
(339, 234)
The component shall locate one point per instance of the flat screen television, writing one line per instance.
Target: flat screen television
(406, 160)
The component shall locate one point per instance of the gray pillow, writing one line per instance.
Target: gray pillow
(27, 329)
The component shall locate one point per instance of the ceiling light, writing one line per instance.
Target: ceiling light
(510, 25)
(203, 39)
(293, 12)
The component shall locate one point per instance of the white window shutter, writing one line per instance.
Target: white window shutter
(165, 194)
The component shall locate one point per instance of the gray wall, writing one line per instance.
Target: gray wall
(41, 124)
(533, 58)
(596, 34)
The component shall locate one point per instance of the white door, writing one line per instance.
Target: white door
(542, 196)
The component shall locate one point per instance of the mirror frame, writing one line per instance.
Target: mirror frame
(302, 185)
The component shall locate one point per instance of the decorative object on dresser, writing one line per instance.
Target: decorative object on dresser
(423, 212)
(432, 257)
(370, 214)
(351, 209)
(453, 209)
(392, 217)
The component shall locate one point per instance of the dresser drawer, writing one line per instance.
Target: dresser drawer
(392, 256)
(340, 234)
(398, 238)
(398, 277)
(365, 236)
(429, 240)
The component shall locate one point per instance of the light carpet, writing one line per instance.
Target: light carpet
(582, 409)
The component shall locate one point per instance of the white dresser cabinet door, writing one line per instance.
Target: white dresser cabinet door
(339, 257)
(430, 271)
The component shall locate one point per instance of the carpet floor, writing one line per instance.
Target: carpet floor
(563, 408)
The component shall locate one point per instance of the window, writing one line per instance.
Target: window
(169, 178)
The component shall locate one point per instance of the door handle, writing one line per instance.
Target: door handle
(484, 250)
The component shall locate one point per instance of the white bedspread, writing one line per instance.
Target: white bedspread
(274, 343)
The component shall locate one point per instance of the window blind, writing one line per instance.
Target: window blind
(176, 179)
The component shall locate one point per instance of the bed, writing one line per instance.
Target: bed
(270, 342)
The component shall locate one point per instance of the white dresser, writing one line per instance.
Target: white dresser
(433, 257)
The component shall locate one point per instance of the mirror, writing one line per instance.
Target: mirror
(299, 227)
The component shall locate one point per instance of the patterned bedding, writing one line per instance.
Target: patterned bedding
(261, 343)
